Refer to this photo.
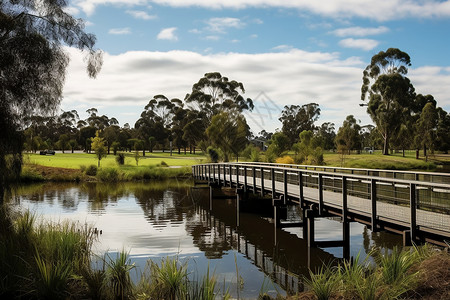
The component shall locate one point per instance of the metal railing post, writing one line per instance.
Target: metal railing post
(300, 187)
(231, 179)
(262, 182)
(285, 187)
(320, 193)
(245, 179)
(413, 206)
(272, 175)
(344, 198)
(237, 176)
(373, 199)
(254, 179)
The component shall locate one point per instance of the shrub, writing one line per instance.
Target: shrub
(255, 155)
(90, 170)
(120, 159)
(108, 174)
(285, 160)
(213, 154)
(163, 164)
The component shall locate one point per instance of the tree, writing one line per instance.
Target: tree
(279, 143)
(296, 118)
(73, 144)
(63, 141)
(98, 145)
(348, 137)
(32, 64)
(213, 94)
(326, 135)
(307, 150)
(389, 92)
(229, 132)
(427, 127)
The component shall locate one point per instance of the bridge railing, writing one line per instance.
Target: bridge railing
(369, 191)
(395, 174)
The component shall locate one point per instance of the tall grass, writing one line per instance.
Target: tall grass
(391, 277)
(118, 275)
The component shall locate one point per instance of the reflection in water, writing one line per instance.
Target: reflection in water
(156, 219)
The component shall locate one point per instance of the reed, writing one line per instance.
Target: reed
(324, 283)
(118, 275)
(169, 279)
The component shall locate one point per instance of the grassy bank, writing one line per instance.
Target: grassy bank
(379, 161)
(415, 273)
(83, 167)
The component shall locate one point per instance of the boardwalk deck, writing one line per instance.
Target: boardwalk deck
(419, 206)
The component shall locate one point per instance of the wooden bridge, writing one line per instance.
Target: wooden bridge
(414, 204)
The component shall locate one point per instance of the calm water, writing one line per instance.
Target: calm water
(160, 219)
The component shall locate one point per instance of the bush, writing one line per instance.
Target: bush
(108, 174)
(163, 164)
(120, 159)
(90, 170)
(255, 155)
(285, 160)
(213, 154)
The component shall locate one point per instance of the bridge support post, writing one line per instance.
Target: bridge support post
(279, 211)
(240, 194)
(310, 215)
(373, 198)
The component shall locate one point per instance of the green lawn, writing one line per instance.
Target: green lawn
(379, 161)
(76, 160)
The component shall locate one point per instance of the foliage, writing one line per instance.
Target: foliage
(90, 170)
(33, 65)
(98, 145)
(120, 159)
(118, 275)
(108, 174)
(229, 132)
(279, 143)
(307, 150)
(214, 94)
(390, 94)
(348, 137)
(286, 160)
(213, 155)
(296, 118)
(427, 128)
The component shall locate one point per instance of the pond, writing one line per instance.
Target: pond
(158, 219)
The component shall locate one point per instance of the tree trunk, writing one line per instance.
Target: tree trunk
(194, 149)
(424, 150)
(403, 151)
(386, 145)
(143, 152)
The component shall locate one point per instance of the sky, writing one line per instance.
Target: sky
(285, 52)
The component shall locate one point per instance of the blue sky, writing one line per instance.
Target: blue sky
(284, 52)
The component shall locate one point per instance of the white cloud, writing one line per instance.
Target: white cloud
(88, 23)
(129, 80)
(360, 31)
(212, 37)
(120, 31)
(363, 44)
(139, 14)
(168, 34)
(220, 25)
(380, 10)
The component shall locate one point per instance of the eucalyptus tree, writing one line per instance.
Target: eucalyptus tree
(348, 137)
(427, 128)
(32, 68)
(214, 93)
(389, 92)
(156, 119)
(296, 118)
(229, 132)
